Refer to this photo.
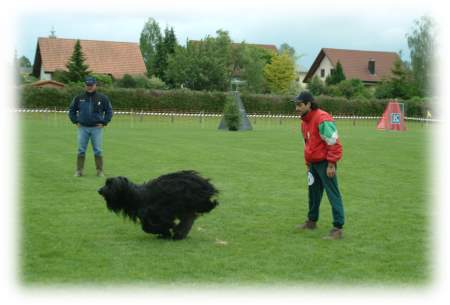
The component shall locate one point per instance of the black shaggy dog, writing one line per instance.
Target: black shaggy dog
(167, 205)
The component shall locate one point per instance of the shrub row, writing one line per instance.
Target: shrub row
(183, 100)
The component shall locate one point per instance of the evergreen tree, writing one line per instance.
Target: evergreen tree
(399, 85)
(336, 76)
(164, 49)
(78, 70)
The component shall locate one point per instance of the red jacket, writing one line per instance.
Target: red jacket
(316, 148)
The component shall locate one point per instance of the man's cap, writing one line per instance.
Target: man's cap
(90, 80)
(304, 96)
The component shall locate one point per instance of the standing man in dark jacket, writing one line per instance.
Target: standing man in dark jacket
(322, 151)
(90, 111)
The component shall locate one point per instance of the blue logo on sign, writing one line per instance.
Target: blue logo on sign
(395, 118)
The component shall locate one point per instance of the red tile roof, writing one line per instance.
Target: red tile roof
(103, 57)
(355, 63)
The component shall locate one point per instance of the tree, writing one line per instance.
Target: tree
(399, 85)
(24, 62)
(78, 70)
(336, 76)
(285, 48)
(164, 48)
(280, 73)
(127, 81)
(202, 65)
(316, 86)
(248, 63)
(150, 38)
(421, 44)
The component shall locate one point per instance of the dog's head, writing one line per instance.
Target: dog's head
(114, 191)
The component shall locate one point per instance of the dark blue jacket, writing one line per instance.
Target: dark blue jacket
(90, 109)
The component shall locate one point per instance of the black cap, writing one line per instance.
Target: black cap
(304, 97)
(89, 80)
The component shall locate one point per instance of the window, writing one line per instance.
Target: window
(322, 72)
(332, 71)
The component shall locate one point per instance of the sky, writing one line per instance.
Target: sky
(307, 28)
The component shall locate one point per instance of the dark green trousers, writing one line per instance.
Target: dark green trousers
(317, 182)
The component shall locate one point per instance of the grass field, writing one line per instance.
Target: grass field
(69, 237)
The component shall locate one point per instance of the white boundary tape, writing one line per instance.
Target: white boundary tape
(200, 114)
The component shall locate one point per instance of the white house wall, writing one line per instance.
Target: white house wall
(45, 76)
(325, 64)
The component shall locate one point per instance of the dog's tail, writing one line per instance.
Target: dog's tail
(206, 206)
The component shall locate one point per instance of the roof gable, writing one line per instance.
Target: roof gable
(355, 63)
(103, 57)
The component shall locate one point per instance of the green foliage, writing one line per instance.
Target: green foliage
(421, 43)
(140, 81)
(76, 66)
(61, 76)
(25, 78)
(252, 68)
(280, 73)
(149, 40)
(211, 102)
(127, 81)
(164, 49)
(351, 88)
(155, 83)
(204, 65)
(316, 86)
(336, 75)
(231, 114)
(24, 62)
(399, 85)
(103, 80)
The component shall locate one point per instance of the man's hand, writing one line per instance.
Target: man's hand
(78, 125)
(100, 125)
(331, 170)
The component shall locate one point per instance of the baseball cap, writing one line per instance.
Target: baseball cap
(90, 80)
(304, 96)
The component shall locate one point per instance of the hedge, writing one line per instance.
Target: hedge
(184, 100)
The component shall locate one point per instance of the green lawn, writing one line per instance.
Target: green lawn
(68, 236)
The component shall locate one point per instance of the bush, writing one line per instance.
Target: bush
(231, 114)
(184, 100)
(103, 80)
(127, 81)
(156, 83)
(316, 86)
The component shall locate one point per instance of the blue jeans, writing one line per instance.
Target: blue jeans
(96, 136)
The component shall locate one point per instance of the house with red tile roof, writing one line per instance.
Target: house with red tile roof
(102, 57)
(368, 66)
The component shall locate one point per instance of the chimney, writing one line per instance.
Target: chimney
(372, 66)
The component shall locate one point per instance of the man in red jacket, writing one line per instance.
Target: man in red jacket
(322, 151)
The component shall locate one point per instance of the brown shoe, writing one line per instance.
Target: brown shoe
(308, 225)
(335, 233)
